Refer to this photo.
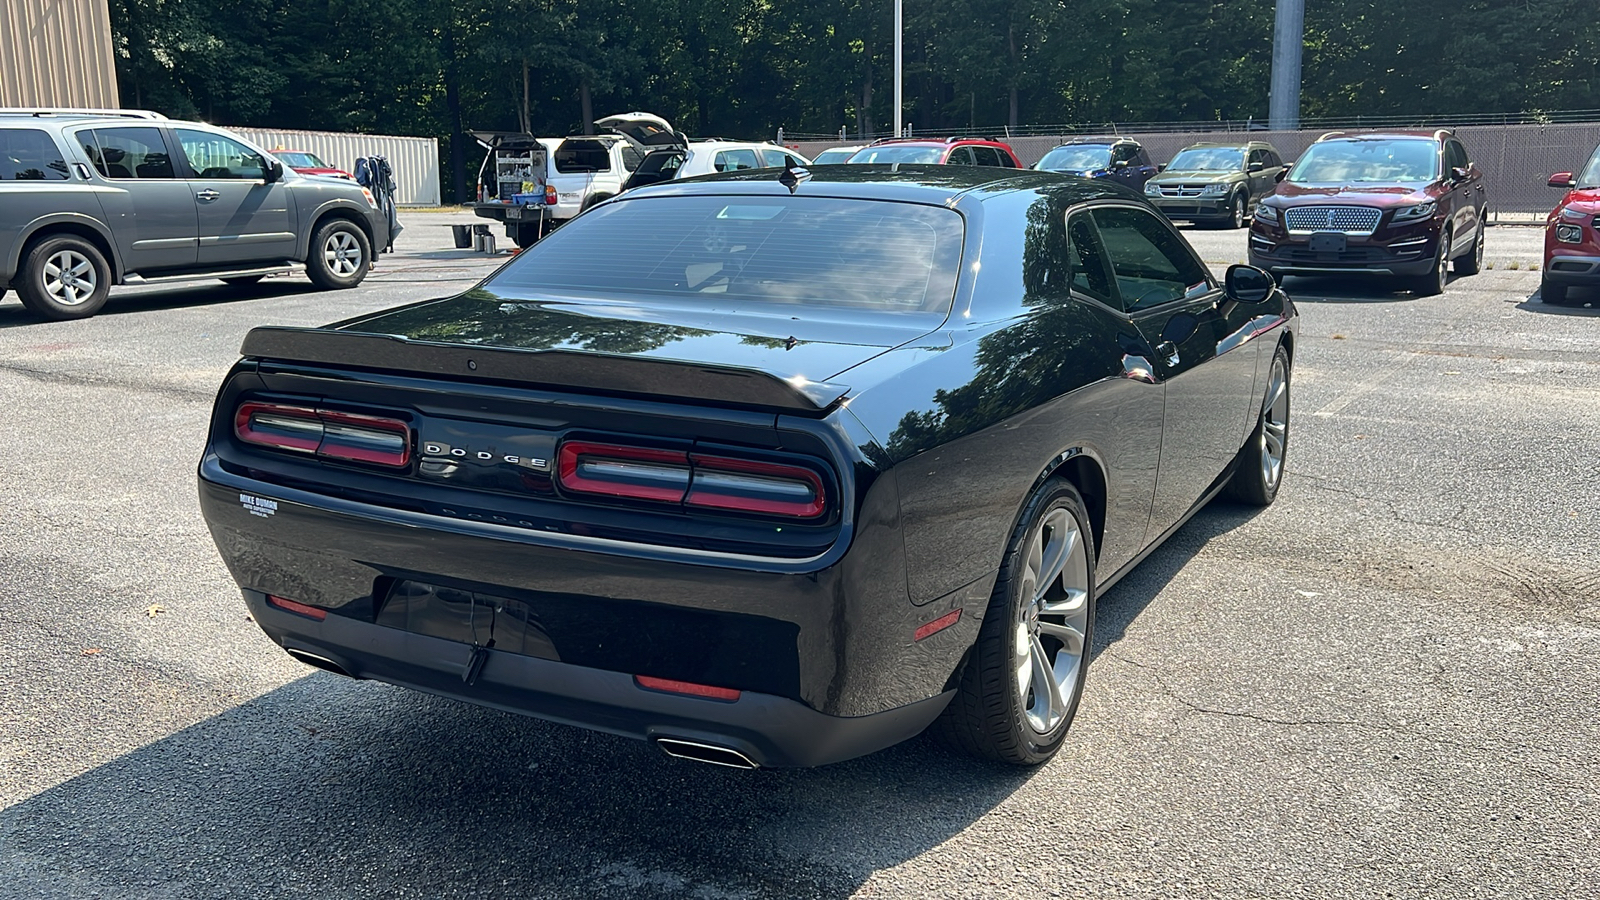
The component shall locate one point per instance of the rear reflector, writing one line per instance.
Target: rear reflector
(693, 479)
(325, 432)
(687, 688)
(937, 625)
(310, 612)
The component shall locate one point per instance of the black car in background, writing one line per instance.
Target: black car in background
(765, 469)
(1122, 160)
(1216, 184)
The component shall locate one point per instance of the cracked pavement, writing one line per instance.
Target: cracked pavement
(1384, 685)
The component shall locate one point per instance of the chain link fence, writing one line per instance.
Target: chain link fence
(1517, 159)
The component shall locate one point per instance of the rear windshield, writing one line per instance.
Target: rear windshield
(832, 157)
(1207, 159)
(1368, 162)
(815, 251)
(893, 154)
(573, 157)
(1076, 158)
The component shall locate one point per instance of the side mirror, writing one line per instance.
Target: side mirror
(1161, 168)
(1282, 174)
(1561, 180)
(274, 172)
(1120, 164)
(1248, 284)
(1459, 173)
(1256, 167)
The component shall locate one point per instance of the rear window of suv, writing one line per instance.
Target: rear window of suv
(28, 154)
(1368, 162)
(813, 251)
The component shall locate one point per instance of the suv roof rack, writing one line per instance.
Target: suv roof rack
(1327, 135)
(68, 111)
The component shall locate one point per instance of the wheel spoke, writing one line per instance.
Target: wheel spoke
(1061, 536)
(1071, 638)
(1024, 661)
(1070, 604)
(1044, 672)
(81, 268)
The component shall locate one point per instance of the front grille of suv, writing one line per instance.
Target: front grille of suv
(1181, 190)
(1348, 219)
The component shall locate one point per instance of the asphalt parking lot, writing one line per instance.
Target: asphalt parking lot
(1384, 685)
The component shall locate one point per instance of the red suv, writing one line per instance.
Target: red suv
(935, 151)
(1401, 203)
(1572, 234)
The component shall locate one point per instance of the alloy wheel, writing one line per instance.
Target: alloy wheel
(342, 252)
(1240, 212)
(69, 278)
(1275, 425)
(1049, 633)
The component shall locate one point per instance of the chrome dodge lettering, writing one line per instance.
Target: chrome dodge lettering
(434, 448)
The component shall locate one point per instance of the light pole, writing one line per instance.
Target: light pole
(1288, 40)
(897, 36)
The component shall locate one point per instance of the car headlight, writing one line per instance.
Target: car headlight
(1152, 189)
(1266, 213)
(1568, 212)
(1569, 234)
(1212, 190)
(1412, 213)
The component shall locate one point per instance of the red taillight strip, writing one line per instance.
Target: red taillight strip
(334, 447)
(337, 435)
(937, 625)
(571, 478)
(310, 612)
(689, 688)
(800, 510)
(244, 426)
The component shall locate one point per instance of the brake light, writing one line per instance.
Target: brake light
(689, 688)
(325, 433)
(751, 486)
(310, 612)
(550, 198)
(693, 479)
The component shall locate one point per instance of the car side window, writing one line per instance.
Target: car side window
(214, 156)
(986, 156)
(734, 160)
(1272, 159)
(1152, 263)
(1122, 153)
(126, 153)
(631, 157)
(1141, 158)
(29, 154)
(1455, 155)
(1086, 258)
(1257, 158)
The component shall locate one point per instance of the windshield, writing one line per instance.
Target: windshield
(1208, 159)
(297, 160)
(816, 251)
(1368, 162)
(1591, 172)
(1076, 158)
(830, 157)
(893, 154)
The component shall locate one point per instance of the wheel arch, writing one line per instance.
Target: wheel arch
(1085, 472)
(78, 226)
(337, 211)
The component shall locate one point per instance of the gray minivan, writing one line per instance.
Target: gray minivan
(89, 199)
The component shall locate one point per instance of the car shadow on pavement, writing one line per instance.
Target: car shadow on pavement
(1335, 289)
(1580, 302)
(204, 293)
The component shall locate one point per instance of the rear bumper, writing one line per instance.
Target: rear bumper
(769, 730)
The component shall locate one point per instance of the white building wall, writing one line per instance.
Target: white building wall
(415, 160)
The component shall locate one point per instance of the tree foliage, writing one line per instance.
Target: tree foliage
(724, 67)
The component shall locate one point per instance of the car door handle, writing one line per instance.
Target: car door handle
(207, 195)
(1169, 352)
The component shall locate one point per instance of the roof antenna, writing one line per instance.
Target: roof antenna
(792, 177)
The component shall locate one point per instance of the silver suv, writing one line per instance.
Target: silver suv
(89, 199)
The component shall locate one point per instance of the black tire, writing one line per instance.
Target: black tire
(1240, 208)
(339, 255)
(1433, 283)
(525, 236)
(989, 717)
(1553, 294)
(77, 293)
(1254, 481)
(243, 280)
(1472, 263)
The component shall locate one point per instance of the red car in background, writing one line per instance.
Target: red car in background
(939, 151)
(1572, 234)
(307, 163)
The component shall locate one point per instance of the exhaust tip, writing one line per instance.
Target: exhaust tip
(321, 662)
(678, 748)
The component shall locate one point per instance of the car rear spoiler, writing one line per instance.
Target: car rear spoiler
(590, 372)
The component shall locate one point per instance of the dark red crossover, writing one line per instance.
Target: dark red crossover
(767, 468)
(1572, 234)
(1401, 204)
(956, 151)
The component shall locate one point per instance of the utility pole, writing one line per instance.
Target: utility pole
(898, 131)
(1288, 41)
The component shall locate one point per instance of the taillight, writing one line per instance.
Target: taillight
(692, 479)
(550, 198)
(748, 485)
(326, 433)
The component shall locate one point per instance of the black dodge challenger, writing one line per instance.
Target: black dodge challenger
(769, 468)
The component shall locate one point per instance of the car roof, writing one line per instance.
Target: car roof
(1097, 142)
(936, 142)
(1262, 144)
(931, 184)
(1437, 134)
